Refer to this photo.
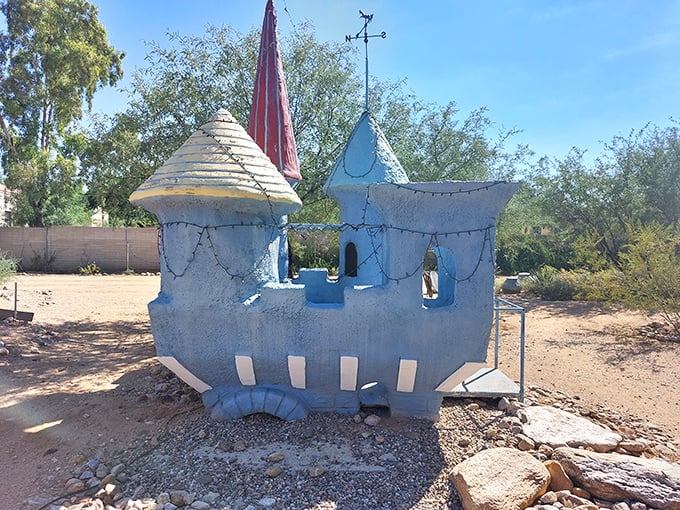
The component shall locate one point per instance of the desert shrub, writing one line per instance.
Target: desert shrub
(8, 267)
(651, 271)
(604, 286)
(552, 284)
(90, 269)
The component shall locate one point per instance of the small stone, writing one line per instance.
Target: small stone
(620, 506)
(472, 407)
(77, 486)
(357, 418)
(548, 498)
(273, 471)
(275, 457)
(581, 493)
(239, 446)
(163, 498)
(380, 439)
(211, 497)
(200, 505)
(513, 408)
(78, 459)
(503, 403)
(204, 479)
(38, 501)
(117, 469)
(225, 446)
(86, 475)
(638, 506)
(388, 457)
(102, 471)
(181, 498)
(93, 463)
(571, 500)
(505, 423)
(110, 488)
(372, 420)
(559, 481)
(316, 471)
(170, 506)
(491, 433)
(4, 351)
(267, 502)
(524, 443)
(546, 450)
(464, 442)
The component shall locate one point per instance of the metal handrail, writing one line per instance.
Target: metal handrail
(503, 305)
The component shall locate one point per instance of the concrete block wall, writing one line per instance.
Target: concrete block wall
(66, 249)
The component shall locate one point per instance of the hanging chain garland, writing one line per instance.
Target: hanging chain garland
(372, 230)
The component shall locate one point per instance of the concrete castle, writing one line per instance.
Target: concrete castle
(250, 342)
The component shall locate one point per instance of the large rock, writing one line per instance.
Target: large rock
(500, 479)
(552, 426)
(615, 477)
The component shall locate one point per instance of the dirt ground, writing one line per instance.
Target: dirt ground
(82, 376)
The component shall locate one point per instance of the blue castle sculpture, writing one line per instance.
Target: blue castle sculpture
(227, 325)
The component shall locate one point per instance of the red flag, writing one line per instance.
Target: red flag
(270, 124)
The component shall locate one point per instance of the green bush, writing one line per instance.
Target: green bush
(8, 267)
(552, 284)
(314, 249)
(651, 271)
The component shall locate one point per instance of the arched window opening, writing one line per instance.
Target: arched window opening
(351, 259)
(439, 277)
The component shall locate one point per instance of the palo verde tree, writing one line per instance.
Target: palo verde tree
(634, 182)
(54, 55)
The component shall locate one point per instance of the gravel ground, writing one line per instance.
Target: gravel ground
(326, 461)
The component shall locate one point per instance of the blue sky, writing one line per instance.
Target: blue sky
(568, 73)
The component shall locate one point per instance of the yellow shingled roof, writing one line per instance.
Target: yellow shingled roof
(218, 160)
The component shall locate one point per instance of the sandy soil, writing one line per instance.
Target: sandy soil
(75, 379)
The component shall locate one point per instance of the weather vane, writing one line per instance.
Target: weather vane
(363, 33)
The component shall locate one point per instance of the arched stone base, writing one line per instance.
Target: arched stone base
(231, 404)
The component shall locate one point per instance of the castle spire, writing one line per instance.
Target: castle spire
(270, 122)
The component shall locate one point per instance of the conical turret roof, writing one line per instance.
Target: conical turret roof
(270, 122)
(367, 158)
(220, 160)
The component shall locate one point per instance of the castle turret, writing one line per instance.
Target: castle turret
(219, 200)
(366, 159)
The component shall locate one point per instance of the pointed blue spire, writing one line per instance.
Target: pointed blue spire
(366, 159)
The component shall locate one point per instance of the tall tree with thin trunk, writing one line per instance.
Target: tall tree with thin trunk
(54, 55)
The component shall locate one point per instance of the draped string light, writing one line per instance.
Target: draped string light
(373, 232)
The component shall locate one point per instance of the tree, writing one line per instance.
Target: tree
(54, 55)
(186, 81)
(635, 180)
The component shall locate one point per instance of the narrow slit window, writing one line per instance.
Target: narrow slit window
(351, 259)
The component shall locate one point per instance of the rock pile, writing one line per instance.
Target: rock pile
(480, 455)
(579, 468)
(660, 331)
